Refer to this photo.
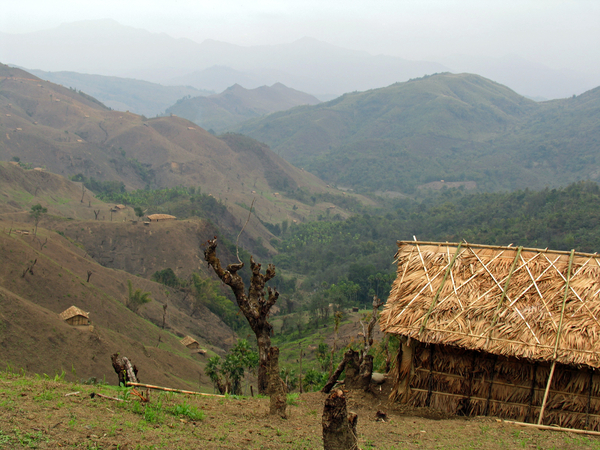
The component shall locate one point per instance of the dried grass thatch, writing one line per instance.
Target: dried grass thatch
(190, 342)
(498, 331)
(72, 312)
(158, 217)
(515, 302)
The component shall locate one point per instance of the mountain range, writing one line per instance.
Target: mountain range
(70, 133)
(456, 128)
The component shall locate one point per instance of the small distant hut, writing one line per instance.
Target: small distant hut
(190, 343)
(502, 331)
(159, 217)
(75, 316)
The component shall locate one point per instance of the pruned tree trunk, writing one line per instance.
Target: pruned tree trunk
(365, 373)
(335, 375)
(124, 369)
(277, 387)
(254, 305)
(339, 427)
(352, 380)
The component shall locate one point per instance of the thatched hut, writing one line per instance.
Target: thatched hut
(75, 316)
(157, 217)
(190, 343)
(503, 331)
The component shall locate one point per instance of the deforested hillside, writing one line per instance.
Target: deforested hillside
(69, 133)
(456, 128)
(34, 337)
(236, 104)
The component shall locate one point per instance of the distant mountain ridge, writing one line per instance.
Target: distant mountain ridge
(457, 128)
(123, 94)
(237, 104)
(105, 47)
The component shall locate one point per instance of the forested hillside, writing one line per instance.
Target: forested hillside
(236, 104)
(357, 254)
(457, 128)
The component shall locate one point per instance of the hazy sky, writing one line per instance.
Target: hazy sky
(560, 34)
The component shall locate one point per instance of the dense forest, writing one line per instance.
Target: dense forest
(361, 249)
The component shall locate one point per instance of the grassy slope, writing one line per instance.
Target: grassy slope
(451, 127)
(35, 413)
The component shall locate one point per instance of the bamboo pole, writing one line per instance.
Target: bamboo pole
(178, 391)
(560, 324)
(497, 247)
(439, 290)
(505, 289)
(548, 427)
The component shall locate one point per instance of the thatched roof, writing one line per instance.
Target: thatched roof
(72, 312)
(189, 340)
(502, 300)
(160, 217)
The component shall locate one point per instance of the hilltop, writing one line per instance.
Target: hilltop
(462, 129)
(236, 104)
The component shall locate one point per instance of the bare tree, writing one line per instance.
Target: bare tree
(254, 305)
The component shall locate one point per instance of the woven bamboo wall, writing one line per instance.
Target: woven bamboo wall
(475, 383)
(78, 321)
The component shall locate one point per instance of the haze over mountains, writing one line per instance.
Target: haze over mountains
(105, 47)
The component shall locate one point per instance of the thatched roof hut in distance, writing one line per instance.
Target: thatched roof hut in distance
(157, 217)
(190, 343)
(75, 316)
(503, 331)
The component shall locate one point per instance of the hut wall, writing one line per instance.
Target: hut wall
(474, 383)
(193, 345)
(78, 321)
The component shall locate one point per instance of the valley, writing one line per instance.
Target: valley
(111, 212)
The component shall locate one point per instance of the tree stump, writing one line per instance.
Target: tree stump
(277, 387)
(339, 426)
(124, 369)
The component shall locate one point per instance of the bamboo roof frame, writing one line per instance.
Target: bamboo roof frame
(538, 304)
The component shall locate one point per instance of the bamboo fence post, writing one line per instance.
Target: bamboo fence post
(439, 290)
(560, 323)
